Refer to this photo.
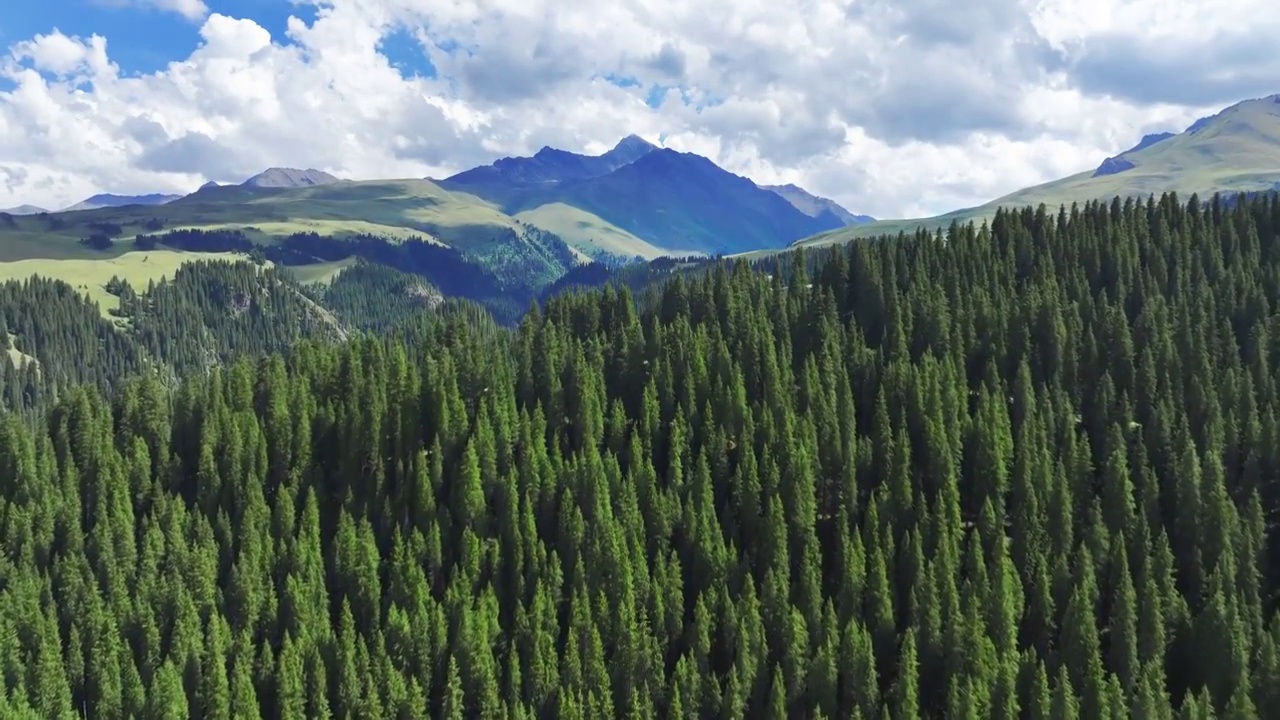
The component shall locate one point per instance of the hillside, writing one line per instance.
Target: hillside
(290, 178)
(508, 178)
(108, 200)
(1236, 150)
(205, 312)
(91, 277)
(392, 209)
(817, 207)
(23, 210)
(589, 233)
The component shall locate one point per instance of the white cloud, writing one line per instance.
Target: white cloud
(892, 108)
(62, 56)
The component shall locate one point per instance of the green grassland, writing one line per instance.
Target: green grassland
(588, 233)
(388, 208)
(91, 275)
(319, 273)
(1237, 150)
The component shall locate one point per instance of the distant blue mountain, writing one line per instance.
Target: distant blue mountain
(24, 210)
(815, 206)
(668, 198)
(514, 176)
(106, 200)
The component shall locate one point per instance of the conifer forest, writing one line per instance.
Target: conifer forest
(1025, 469)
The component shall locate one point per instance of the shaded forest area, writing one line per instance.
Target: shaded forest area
(1024, 471)
(505, 296)
(210, 313)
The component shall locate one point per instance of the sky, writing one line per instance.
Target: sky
(895, 108)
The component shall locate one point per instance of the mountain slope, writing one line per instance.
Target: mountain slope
(506, 179)
(24, 210)
(1236, 150)
(108, 200)
(589, 233)
(815, 206)
(673, 203)
(204, 313)
(685, 203)
(289, 178)
(393, 209)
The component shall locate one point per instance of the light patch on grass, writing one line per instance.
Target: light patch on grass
(265, 232)
(579, 257)
(18, 358)
(90, 277)
(319, 273)
(588, 232)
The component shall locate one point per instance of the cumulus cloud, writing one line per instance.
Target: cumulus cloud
(892, 108)
(1150, 51)
(63, 56)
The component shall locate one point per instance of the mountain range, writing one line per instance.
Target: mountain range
(670, 200)
(270, 178)
(24, 210)
(527, 222)
(108, 200)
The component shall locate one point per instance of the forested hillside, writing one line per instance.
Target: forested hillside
(1027, 471)
(211, 313)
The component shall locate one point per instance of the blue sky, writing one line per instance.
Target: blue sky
(140, 39)
(895, 108)
(145, 39)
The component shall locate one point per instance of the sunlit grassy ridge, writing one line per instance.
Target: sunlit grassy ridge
(394, 210)
(91, 275)
(320, 273)
(589, 233)
(390, 208)
(1237, 150)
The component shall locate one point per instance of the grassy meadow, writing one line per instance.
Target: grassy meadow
(90, 276)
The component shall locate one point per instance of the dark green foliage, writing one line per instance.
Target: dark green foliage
(70, 341)
(209, 314)
(505, 289)
(98, 241)
(1025, 471)
(634, 276)
(375, 297)
(213, 312)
